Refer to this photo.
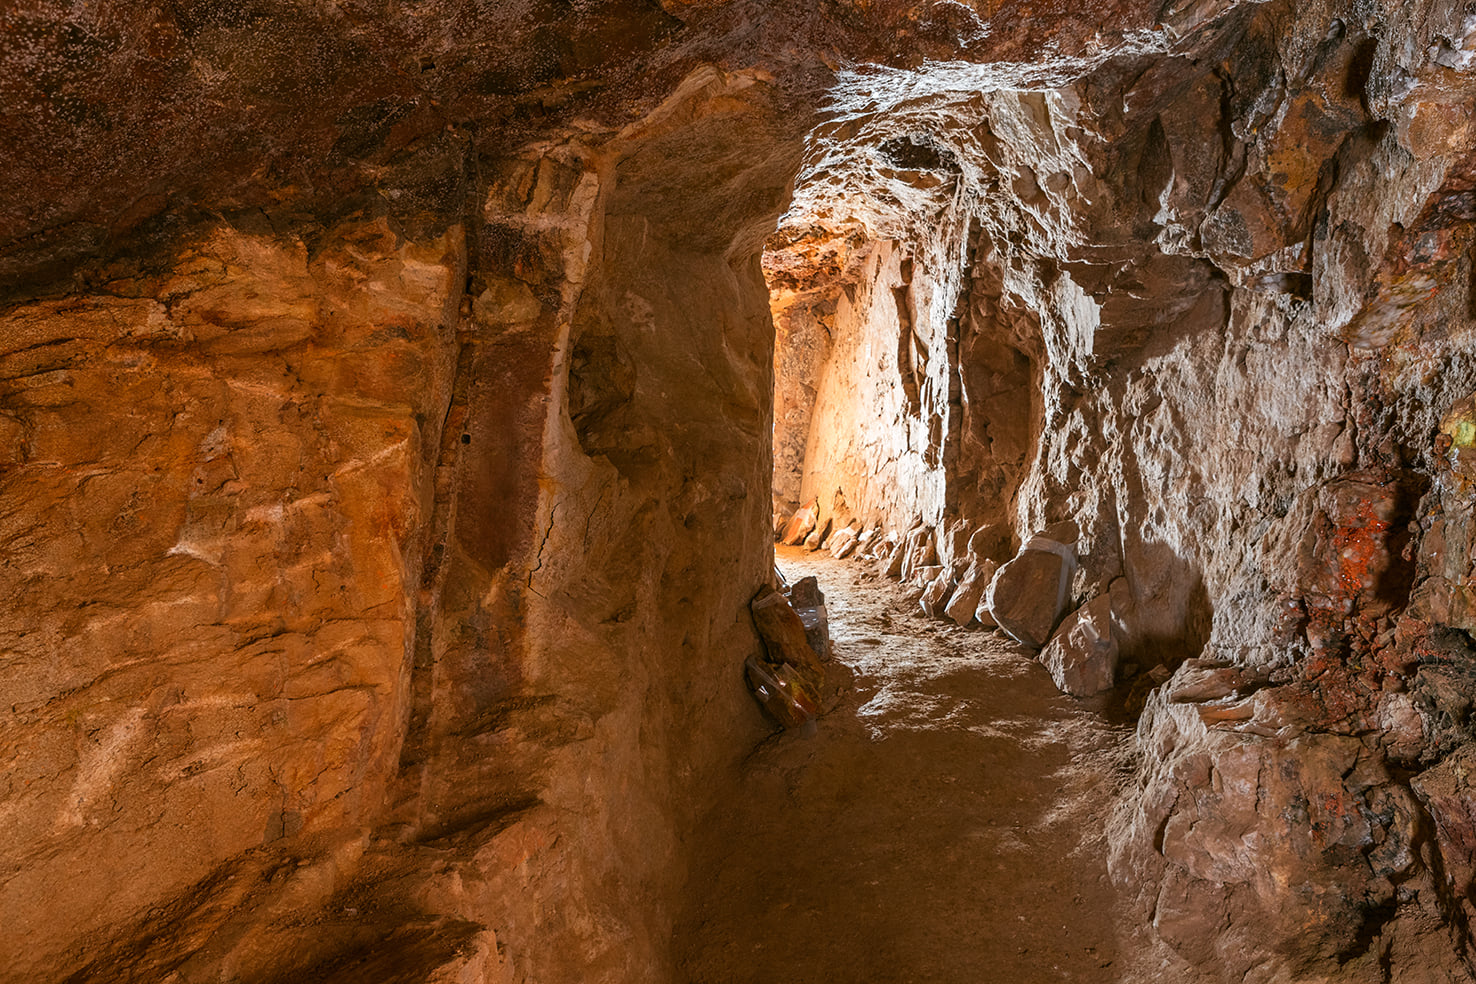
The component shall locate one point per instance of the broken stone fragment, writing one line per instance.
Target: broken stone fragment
(965, 601)
(843, 541)
(783, 632)
(816, 539)
(892, 563)
(783, 692)
(918, 551)
(809, 604)
(801, 524)
(1028, 595)
(935, 595)
(1082, 655)
(788, 680)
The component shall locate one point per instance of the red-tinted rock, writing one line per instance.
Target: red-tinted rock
(783, 633)
(801, 524)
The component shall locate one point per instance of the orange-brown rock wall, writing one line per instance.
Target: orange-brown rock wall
(382, 601)
(214, 501)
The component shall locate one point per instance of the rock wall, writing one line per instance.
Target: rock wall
(387, 408)
(1216, 316)
(215, 505)
(382, 599)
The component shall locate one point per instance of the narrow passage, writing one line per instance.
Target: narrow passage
(944, 824)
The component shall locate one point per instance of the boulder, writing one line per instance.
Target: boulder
(1028, 595)
(801, 524)
(843, 541)
(1082, 655)
(935, 595)
(784, 635)
(965, 600)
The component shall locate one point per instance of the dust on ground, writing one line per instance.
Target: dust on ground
(943, 824)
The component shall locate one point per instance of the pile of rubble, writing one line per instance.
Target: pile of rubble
(977, 579)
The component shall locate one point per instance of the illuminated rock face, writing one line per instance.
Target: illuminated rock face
(386, 469)
(370, 581)
(1211, 309)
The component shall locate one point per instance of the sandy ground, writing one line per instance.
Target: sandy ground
(943, 824)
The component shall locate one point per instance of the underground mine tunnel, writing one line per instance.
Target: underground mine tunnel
(401, 400)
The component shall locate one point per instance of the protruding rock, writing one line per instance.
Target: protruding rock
(809, 604)
(1028, 595)
(783, 632)
(1449, 793)
(990, 542)
(789, 679)
(1082, 655)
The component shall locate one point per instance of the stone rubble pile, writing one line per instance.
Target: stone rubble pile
(967, 577)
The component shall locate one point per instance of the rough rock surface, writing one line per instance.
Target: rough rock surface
(373, 546)
(1082, 656)
(1029, 594)
(1206, 296)
(387, 418)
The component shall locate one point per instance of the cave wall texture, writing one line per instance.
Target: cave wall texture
(388, 389)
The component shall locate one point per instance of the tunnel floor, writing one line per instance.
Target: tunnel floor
(943, 824)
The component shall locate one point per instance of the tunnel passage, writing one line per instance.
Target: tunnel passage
(894, 403)
(385, 433)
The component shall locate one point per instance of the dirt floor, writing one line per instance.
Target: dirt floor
(943, 824)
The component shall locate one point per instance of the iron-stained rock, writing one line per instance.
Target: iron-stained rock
(801, 524)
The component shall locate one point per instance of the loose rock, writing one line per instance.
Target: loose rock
(1028, 595)
(1082, 655)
